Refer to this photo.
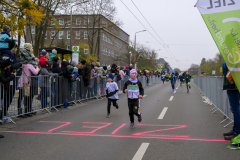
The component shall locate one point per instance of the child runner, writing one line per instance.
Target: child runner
(181, 79)
(111, 91)
(134, 91)
(173, 79)
(188, 78)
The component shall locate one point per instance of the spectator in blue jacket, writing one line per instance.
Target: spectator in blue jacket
(5, 40)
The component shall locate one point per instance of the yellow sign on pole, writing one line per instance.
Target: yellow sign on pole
(221, 70)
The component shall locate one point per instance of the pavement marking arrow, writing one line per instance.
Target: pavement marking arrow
(141, 151)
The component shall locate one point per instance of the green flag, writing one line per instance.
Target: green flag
(222, 18)
(159, 69)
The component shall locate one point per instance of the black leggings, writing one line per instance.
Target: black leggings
(132, 110)
(110, 101)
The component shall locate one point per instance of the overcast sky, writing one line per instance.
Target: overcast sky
(177, 22)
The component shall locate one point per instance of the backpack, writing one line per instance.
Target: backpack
(104, 73)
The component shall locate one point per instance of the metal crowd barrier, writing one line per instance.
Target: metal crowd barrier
(26, 96)
(212, 94)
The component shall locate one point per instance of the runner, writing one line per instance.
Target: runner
(181, 77)
(133, 88)
(188, 79)
(173, 79)
(112, 95)
(163, 77)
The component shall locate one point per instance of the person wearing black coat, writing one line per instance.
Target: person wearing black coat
(66, 88)
(56, 68)
(7, 92)
(114, 69)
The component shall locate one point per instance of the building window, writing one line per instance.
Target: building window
(78, 21)
(112, 53)
(86, 35)
(103, 37)
(52, 34)
(86, 21)
(68, 47)
(32, 29)
(77, 34)
(69, 22)
(60, 36)
(68, 35)
(109, 52)
(103, 50)
(86, 50)
(52, 22)
(106, 51)
(61, 21)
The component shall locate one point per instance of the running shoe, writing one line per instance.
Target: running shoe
(140, 118)
(116, 106)
(108, 115)
(132, 125)
(229, 133)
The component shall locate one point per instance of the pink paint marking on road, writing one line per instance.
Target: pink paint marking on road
(118, 136)
(118, 128)
(142, 133)
(66, 123)
(97, 128)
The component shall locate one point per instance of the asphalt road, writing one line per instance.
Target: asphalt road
(175, 126)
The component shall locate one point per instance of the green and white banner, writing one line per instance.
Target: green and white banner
(75, 54)
(222, 18)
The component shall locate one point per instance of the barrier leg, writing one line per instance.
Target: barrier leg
(228, 124)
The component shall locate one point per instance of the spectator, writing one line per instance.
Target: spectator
(26, 56)
(28, 70)
(103, 75)
(80, 68)
(126, 71)
(74, 63)
(108, 70)
(122, 74)
(6, 76)
(93, 64)
(98, 64)
(56, 68)
(5, 41)
(234, 97)
(130, 67)
(114, 69)
(86, 75)
(53, 54)
(43, 58)
(46, 73)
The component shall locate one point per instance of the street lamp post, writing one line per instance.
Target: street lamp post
(130, 56)
(71, 23)
(135, 41)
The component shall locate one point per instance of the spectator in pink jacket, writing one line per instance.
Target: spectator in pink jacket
(28, 73)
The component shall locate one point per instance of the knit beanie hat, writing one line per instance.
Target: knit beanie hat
(110, 76)
(109, 67)
(75, 69)
(54, 51)
(6, 29)
(126, 67)
(12, 46)
(44, 52)
(133, 71)
(105, 67)
(28, 46)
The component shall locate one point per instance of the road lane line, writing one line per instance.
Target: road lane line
(141, 151)
(163, 113)
(145, 96)
(171, 98)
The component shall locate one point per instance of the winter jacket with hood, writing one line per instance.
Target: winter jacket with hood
(114, 69)
(46, 73)
(51, 55)
(66, 72)
(5, 40)
(102, 73)
(57, 69)
(26, 57)
(71, 68)
(28, 71)
(84, 76)
(42, 61)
